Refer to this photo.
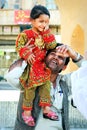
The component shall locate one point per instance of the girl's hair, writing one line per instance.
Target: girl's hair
(38, 10)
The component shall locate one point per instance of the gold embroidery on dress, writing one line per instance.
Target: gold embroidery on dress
(39, 42)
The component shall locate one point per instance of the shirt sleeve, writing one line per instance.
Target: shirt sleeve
(22, 50)
(78, 60)
(79, 88)
(67, 77)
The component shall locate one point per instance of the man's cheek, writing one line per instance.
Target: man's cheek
(52, 65)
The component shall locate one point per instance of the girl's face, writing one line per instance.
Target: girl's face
(41, 23)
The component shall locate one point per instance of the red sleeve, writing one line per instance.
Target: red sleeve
(24, 53)
(49, 39)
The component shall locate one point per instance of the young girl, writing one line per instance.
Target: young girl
(36, 73)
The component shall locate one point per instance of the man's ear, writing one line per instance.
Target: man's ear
(64, 67)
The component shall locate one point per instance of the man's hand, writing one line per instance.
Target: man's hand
(67, 51)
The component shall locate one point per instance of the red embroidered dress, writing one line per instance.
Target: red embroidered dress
(38, 73)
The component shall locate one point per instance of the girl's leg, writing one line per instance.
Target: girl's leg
(44, 92)
(29, 95)
(19, 123)
(45, 102)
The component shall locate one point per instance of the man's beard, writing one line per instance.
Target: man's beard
(53, 67)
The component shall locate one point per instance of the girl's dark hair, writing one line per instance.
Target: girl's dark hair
(37, 10)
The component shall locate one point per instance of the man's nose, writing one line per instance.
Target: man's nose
(56, 57)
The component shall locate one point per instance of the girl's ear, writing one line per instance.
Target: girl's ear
(30, 19)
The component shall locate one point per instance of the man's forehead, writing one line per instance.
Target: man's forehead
(58, 53)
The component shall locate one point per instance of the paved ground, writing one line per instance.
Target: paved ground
(78, 129)
(70, 129)
(6, 128)
(8, 87)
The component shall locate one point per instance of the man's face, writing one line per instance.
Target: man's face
(55, 61)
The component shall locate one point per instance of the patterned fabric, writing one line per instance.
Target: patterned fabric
(44, 94)
(37, 74)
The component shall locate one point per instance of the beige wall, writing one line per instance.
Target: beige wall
(27, 4)
(72, 13)
(73, 23)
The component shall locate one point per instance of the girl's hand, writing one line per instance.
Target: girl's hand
(28, 44)
(31, 58)
(46, 28)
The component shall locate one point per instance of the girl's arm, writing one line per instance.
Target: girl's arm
(49, 39)
(20, 45)
(24, 48)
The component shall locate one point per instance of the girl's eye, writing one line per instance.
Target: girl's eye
(41, 21)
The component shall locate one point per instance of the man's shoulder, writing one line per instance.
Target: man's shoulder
(64, 77)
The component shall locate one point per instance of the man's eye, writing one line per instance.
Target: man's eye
(52, 53)
(60, 57)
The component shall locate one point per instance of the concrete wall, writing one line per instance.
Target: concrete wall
(27, 4)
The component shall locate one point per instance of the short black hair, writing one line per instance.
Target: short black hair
(38, 10)
(59, 44)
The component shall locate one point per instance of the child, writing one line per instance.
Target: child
(36, 73)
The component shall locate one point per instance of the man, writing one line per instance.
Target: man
(57, 60)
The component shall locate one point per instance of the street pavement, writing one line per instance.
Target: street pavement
(78, 129)
(70, 129)
(5, 86)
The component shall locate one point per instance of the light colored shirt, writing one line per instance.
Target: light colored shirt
(79, 88)
(56, 99)
(56, 95)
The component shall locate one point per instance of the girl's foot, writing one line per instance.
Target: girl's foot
(49, 114)
(29, 120)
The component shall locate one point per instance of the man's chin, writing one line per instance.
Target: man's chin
(53, 67)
